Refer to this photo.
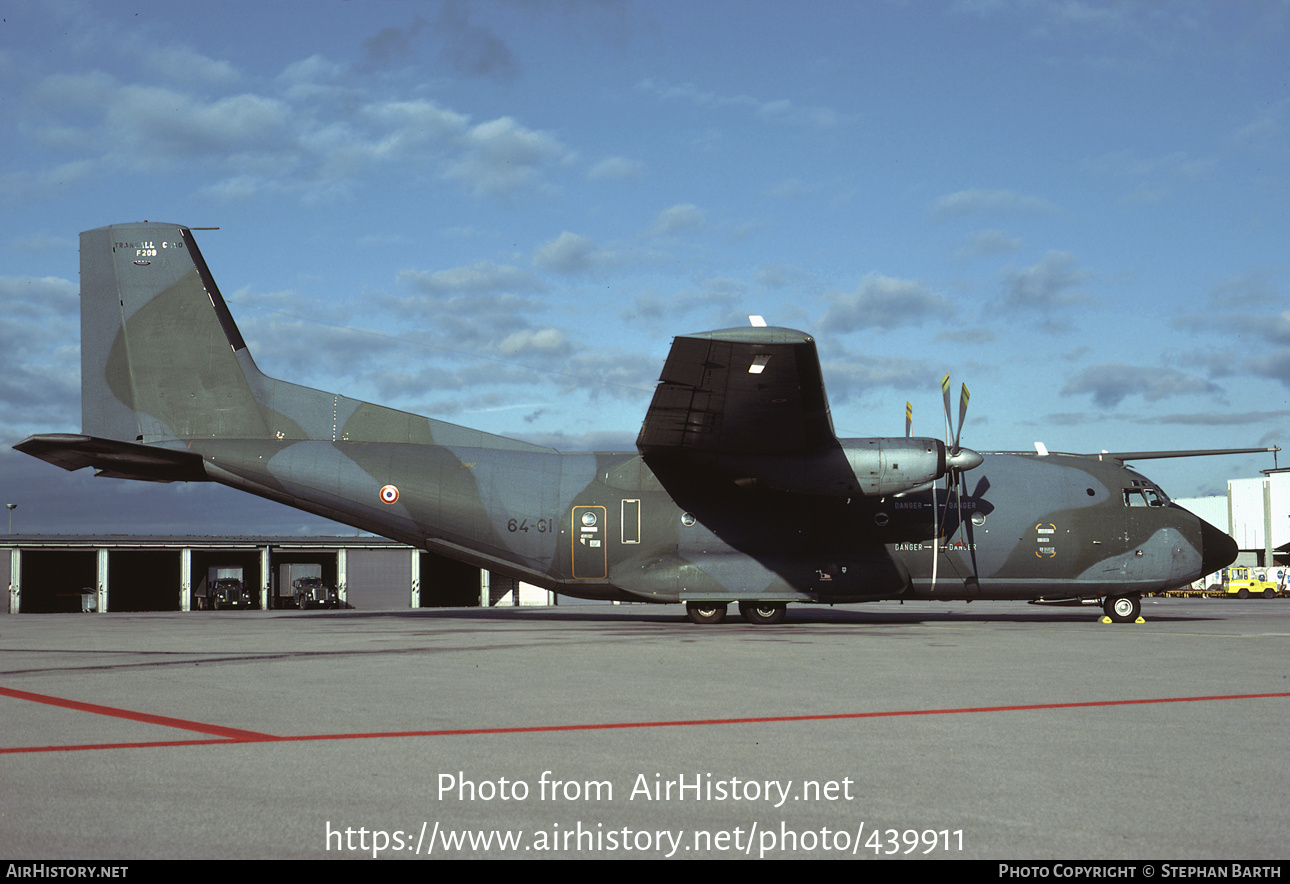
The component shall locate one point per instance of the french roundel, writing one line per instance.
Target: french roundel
(389, 494)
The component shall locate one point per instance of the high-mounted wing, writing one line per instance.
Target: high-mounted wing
(739, 391)
(749, 404)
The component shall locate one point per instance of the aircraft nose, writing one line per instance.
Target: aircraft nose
(1217, 550)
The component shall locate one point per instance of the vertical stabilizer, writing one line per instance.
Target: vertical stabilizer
(160, 355)
(162, 359)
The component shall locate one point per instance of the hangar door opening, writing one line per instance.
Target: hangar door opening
(212, 571)
(308, 579)
(447, 583)
(52, 581)
(143, 580)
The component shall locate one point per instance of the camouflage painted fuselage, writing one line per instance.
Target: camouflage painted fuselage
(768, 508)
(607, 526)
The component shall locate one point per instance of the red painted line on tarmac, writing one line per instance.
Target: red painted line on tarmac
(238, 736)
(182, 724)
(85, 747)
(840, 716)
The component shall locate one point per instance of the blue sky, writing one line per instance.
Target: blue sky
(499, 213)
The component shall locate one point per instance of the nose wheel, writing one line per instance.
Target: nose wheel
(1123, 608)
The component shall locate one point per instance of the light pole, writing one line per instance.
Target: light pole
(11, 507)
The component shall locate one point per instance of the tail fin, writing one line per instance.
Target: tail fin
(162, 360)
(157, 362)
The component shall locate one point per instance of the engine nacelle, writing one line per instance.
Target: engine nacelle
(890, 466)
(856, 468)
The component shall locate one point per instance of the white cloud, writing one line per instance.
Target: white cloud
(570, 253)
(675, 219)
(885, 302)
(1125, 162)
(855, 375)
(501, 156)
(318, 136)
(781, 110)
(1051, 282)
(544, 341)
(479, 278)
(989, 242)
(1111, 382)
(617, 169)
(180, 63)
(154, 123)
(996, 202)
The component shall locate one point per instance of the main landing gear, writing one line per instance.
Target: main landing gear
(705, 612)
(756, 613)
(763, 613)
(1123, 608)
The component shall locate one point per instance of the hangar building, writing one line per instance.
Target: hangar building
(55, 573)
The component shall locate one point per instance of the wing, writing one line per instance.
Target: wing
(739, 391)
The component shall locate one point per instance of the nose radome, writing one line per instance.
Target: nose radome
(1217, 550)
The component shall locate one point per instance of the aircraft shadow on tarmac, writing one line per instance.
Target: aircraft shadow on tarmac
(800, 616)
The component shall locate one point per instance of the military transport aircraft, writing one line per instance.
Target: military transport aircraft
(739, 491)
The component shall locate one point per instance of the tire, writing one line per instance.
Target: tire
(705, 613)
(1123, 608)
(1242, 593)
(763, 613)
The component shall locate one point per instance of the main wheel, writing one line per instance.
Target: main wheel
(763, 613)
(1123, 608)
(705, 612)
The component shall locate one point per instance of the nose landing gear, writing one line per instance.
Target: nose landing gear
(1123, 608)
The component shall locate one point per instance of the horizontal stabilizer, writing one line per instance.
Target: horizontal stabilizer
(116, 460)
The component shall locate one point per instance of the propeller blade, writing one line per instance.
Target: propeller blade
(945, 392)
(909, 418)
(957, 461)
(964, 396)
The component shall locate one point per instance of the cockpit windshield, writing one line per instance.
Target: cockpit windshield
(1144, 495)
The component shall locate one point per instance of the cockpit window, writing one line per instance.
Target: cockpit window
(1143, 497)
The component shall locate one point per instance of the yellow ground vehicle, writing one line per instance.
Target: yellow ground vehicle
(1242, 583)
